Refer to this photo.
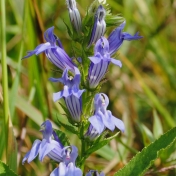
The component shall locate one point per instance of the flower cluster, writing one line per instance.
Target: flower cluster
(81, 83)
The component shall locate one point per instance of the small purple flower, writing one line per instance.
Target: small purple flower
(100, 62)
(74, 14)
(67, 167)
(53, 50)
(66, 170)
(91, 133)
(117, 37)
(99, 25)
(47, 147)
(102, 117)
(71, 93)
(94, 173)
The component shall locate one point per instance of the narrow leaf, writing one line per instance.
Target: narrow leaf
(68, 127)
(27, 108)
(63, 138)
(142, 161)
(5, 170)
(157, 126)
(96, 146)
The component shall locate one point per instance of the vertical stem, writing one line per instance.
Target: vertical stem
(4, 71)
(82, 153)
(83, 147)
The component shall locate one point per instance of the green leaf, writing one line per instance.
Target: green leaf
(27, 108)
(63, 137)
(97, 145)
(143, 160)
(157, 126)
(106, 152)
(2, 137)
(113, 20)
(65, 109)
(146, 134)
(5, 170)
(68, 127)
(68, 30)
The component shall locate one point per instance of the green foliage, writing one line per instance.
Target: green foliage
(143, 160)
(63, 138)
(145, 82)
(5, 170)
(68, 127)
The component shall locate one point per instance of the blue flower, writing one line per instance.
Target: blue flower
(67, 167)
(53, 50)
(74, 14)
(99, 26)
(100, 62)
(93, 172)
(47, 147)
(117, 37)
(71, 93)
(102, 117)
(91, 133)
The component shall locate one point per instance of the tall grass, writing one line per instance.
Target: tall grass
(145, 84)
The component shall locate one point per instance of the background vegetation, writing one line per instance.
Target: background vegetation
(142, 92)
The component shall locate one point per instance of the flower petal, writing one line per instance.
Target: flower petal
(49, 35)
(56, 172)
(95, 59)
(127, 36)
(107, 120)
(34, 151)
(97, 123)
(119, 124)
(116, 62)
(45, 148)
(57, 96)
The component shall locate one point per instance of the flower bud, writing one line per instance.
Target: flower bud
(99, 26)
(74, 14)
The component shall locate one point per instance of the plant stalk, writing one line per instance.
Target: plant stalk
(4, 73)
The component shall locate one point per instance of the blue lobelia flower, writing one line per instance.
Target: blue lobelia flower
(100, 62)
(91, 133)
(94, 173)
(53, 50)
(67, 167)
(47, 147)
(117, 37)
(71, 93)
(102, 117)
(74, 14)
(99, 26)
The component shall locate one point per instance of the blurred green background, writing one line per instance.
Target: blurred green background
(142, 92)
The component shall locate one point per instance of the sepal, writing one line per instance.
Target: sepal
(68, 127)
(63, 137)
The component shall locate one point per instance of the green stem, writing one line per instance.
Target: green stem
(82, 153)
(83, 147)
(4, 71)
